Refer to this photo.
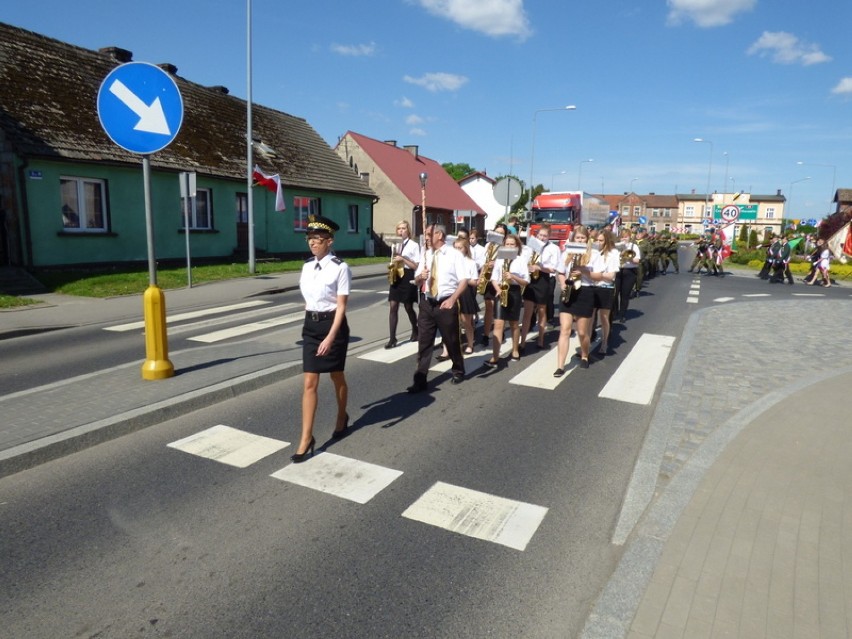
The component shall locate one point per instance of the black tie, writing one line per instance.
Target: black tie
(317, 267)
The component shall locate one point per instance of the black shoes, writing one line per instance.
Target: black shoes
(458, 378)
(343, 432)
(300, 457)
(491, 363)
(442, 358)
(419, 384)
(391, 343)
(584, 363)
(559, 372)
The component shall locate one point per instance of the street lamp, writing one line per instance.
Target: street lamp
(709, 173)
(790, 199)
(554, 175)
(570, 107)
(580, 172)
(423, 178)
(833, 178)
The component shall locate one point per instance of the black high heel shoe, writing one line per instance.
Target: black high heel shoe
(343, 432)
(300, 457)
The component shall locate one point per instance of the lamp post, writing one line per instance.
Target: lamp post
(790, 199)
(833, 178)
(709, 173)
(725, 183)
(570, 107)
(554, 175)
(580, 173)
(423, 178)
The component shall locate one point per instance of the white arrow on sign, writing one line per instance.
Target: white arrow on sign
(151, 118)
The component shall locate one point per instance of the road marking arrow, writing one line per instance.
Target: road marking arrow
(151, 117)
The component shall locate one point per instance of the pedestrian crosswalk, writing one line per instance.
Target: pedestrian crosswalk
(456, 509)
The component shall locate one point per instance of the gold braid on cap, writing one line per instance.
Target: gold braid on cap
(314, 224)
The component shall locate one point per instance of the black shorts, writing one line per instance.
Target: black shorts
(581, 303)
(512, 311)
(313, 333)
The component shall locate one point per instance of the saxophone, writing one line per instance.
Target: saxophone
(504, 286)
(533, 261)
(485, 276)
(572, 282)
(395, 273)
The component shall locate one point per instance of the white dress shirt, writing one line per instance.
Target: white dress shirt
(321, 286)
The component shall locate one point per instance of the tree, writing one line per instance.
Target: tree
(752, 238)
(743, 239)
(458, 171)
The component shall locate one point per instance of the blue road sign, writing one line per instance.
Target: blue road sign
(140, 107)
(643, 219)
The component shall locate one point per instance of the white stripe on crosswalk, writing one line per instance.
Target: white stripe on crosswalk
(479, 515)
(636, 378)
(343, 477)
(229, 446)
(245, 329)
(132, 326)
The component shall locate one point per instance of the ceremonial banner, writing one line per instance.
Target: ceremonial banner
(840, 243)
(271, 182)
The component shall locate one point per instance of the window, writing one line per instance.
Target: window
(625, 210)
(242, 208)
(708, 210)
(637, 210)
(770, 212)
(83, 204)
(353, 218)
(689, 211)
(201, 215)
(303, 207)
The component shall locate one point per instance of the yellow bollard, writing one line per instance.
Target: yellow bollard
(157, 364)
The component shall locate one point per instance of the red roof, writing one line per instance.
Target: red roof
(403, 168)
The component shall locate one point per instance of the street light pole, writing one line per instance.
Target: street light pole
(570, 107)
(790, 199)
(580, 173)
(553, 175)
(709, 173)
(833, 178)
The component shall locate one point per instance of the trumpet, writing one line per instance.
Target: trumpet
(627, 256)
(504, 287)
(533, 261)
(485, 276)
(395, 272)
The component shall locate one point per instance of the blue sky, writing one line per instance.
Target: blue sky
(768, 83)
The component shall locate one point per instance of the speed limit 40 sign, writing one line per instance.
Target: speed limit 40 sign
(730, 213)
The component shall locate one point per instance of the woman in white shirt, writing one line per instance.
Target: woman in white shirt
(602, 269)
(516, 274)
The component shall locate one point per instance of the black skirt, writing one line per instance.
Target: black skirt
(403, 291)
(467, 301)
(512, 311)
(581, 302)
(313, 333)
(603, 297)
(537, 290)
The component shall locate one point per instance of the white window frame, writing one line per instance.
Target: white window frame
(83, 205)
(203, 200)
(689, 211)
(769, 213)
(303, 206)
(241, 208)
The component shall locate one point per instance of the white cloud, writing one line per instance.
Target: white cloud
(844, 86)
(785, 48)
(354, 49)
(435, 82)
(707, 13)
(418, 132)
(491, 17)
(404, 102)
(413, 119)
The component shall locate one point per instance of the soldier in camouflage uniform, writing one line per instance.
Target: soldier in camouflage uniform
(672, 253)
(644, 270)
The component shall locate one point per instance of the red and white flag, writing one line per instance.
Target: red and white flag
(841, 243)
(271, 182)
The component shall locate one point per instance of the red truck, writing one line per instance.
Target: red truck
(563, 210)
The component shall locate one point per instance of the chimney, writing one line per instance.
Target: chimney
(411, 148)
(220, 89)
(117, 53)
(390, 142)
(168, 67)
(779, 192)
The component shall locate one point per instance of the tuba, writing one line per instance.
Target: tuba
(395, 272)
(626, 256)
(485, 276)
(504, 286)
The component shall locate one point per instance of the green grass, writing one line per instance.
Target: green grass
(91, 283)
(13, 301)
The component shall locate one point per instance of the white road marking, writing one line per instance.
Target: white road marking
(132, 326)
(390, 355)
(539, 374)
(757, 295)
(724, 299)
(808, 294)
(478, 515)
(636, 378)
(229, 446)
(244, 329)
(342, 477)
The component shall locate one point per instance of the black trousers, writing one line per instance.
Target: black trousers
(625, 280)
(430, 319)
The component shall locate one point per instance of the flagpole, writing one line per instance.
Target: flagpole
(249, 164)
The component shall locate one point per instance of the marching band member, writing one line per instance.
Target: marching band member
(575, 303)
(467, 302)
(625, 280)
(325, 283)
(602, 268)
(403, 291)
(488, 293)
(541, 287)
(507, 278)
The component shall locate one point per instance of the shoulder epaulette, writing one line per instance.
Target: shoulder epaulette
(337, 260)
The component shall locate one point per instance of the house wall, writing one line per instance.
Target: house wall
(126, 239)
(482, 192)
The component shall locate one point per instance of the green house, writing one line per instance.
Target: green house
(70, 196)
